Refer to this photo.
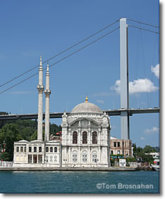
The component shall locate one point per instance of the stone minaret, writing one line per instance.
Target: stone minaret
(40, 88)
(47, 96)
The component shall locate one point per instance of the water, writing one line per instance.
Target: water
(78, 182)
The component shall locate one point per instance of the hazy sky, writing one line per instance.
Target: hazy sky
(33, 28)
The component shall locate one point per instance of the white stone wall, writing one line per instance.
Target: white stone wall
(53, 154)
(35, 154)
(20, 154)
(69, 154)
(73, 154)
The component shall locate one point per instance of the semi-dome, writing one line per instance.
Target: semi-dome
(86, 107)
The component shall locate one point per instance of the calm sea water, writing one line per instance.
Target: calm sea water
(79, 182)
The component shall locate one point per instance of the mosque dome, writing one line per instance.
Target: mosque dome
(86, 107)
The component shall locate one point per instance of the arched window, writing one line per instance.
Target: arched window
(17, 149)
(30, 149)
(29, 158)
(84, 156)
(21, 148)
(84, 137)
(74, 137)
(47, 149)
(74, 156)
(55, 149)
(40, 149)
(94, 137)
(55, 158)
(35, 149)
(94, 157)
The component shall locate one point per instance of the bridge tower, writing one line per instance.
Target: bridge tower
(124, 81)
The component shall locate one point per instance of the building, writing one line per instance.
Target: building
(121, 147)
(85, 137)
(40, 152)
(155, 155)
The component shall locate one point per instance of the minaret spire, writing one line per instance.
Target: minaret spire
(40, 60)
(47, 69)
(47, 97)
(86, 99)
(40, 88)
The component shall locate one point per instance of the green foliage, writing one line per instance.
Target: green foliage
(134, 148)
(146, 158)
(5, 156)
(131, 159)
(9, 134)
(34, 136)
(112, 162)
(54, 129)
(3, 113)
(116, 155)
(148, 149)
(140, 152)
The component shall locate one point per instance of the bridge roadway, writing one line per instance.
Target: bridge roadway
(116, 112)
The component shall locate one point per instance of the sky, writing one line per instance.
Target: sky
(30, 29)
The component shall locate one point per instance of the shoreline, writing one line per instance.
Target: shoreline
(66, 169)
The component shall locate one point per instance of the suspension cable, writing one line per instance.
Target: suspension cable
(74, 52)
(140, 22)
(132, 26)
(61, 52)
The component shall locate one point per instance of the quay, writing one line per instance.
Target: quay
(67, 169)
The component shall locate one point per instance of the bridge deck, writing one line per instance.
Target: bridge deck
(116, 112)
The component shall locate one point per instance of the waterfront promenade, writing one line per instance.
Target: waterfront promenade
(67, 169)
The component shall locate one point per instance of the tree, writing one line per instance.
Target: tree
(54, 129)
(8, 135)
(20, 130)
(148, 149)
(33, 136)
(131, 159)
(134, 148)
(5, 156)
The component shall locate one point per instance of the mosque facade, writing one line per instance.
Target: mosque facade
(85, 140)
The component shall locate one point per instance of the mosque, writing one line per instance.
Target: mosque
(85, 136)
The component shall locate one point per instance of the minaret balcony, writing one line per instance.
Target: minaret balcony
(40, 88)
(47, 92)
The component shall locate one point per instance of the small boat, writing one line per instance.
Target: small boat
(156, 165)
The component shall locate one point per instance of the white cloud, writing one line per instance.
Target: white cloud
(152, 130)
(116, 87)
(141, 86)
(155, 70)
(137, 86)
(100, 101)
(142, 138)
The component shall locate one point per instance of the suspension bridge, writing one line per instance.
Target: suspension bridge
(125, 111)
(116, 112)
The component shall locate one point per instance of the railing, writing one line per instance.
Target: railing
(6, 164)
